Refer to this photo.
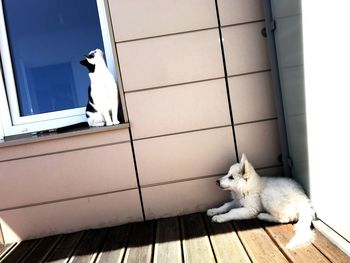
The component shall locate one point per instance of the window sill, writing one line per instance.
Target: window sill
(58, 135)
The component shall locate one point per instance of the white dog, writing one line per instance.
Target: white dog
(102, 107)
(273, 199)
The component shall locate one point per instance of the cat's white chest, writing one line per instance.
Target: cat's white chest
(102, 92)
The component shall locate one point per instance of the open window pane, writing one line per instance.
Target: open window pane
(47, 40)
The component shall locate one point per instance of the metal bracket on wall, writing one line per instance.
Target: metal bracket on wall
(273, 25)
(272, 28)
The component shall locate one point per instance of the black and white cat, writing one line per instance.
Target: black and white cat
(102, 107)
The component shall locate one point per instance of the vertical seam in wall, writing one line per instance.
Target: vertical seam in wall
(133, 149)
(154, 240)
(134, 156)
(226, 80)
(128, 118)
(137, 175)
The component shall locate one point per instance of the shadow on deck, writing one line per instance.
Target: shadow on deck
(190, 238)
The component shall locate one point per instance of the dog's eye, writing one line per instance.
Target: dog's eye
(231, 177)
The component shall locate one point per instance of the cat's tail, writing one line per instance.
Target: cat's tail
(303, 233)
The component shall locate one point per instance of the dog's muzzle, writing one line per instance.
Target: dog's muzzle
(218, 183)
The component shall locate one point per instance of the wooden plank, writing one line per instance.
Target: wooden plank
(331, 251)
(196, 244)
(64, 249)
(140, 243)
(4, 249)
(20, 251)
(282, 234)
(168, 241)
(115, 244)
(88, 248)
(42, 249)
(258, 244)
(226, 244)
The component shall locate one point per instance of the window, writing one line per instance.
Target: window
(41, 43)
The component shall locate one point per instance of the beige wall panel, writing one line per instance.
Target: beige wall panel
(252, 97)
(170, 60)
(260, 142)
(179, 108)
(69, 216)
(66, 175)
(245, 48)
(181, 156)
(182, 198)
(64, 144)
(134, 19)
(240, 11)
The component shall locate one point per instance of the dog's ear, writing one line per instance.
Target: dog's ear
(243, 158)
(248, 170)
(242, 162)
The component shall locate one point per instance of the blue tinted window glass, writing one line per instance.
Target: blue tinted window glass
(47, 40)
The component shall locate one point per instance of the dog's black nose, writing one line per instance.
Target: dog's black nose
(218, 182)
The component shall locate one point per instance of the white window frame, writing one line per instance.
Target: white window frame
(11, 123)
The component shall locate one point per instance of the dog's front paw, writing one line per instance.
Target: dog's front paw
(211, 212)
(218, 219)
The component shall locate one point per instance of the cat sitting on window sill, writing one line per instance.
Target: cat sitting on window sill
(102, 107)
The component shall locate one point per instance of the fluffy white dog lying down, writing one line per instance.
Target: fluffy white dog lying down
(273, 199)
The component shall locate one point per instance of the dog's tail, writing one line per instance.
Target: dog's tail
(303, 233)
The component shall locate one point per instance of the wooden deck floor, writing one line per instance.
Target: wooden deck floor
(190, 238)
